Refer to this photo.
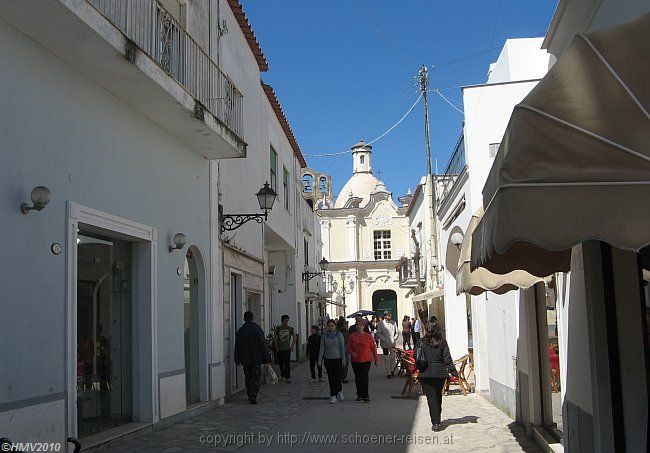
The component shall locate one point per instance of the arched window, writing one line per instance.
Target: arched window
(362, 159)
(308, 182)
(322, 184)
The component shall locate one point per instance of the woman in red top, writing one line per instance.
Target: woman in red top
(362, 350)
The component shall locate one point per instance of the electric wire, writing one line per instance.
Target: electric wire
(377, 138)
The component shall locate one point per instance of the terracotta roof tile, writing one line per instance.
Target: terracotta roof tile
(247, 30)
(279, 113)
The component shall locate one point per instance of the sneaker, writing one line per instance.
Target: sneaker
(366, 400)
(359, 398)
(340, 396)
(389, 376)
(333, 400)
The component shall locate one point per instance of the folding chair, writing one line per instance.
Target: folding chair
(461, 381)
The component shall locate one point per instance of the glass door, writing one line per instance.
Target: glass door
(191, 329)
(104, 344)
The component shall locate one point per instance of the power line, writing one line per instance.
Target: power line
(377, 138)
(371, 16)
(447, 100)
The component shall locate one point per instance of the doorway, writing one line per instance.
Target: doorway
(104, 333)
(385, 299)
(191, 328)
(236, 320)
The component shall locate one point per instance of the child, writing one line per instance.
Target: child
(313, 349)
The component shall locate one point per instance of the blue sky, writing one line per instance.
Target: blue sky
(344, 70)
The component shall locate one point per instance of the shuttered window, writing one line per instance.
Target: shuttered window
(174, 8)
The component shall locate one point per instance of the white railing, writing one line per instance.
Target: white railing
(154, 31)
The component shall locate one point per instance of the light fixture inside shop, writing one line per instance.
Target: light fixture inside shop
(179, 241)
(265, 197)
(40, 198)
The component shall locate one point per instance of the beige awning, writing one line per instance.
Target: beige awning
(429, 295)
(480, 280)
(574, 163)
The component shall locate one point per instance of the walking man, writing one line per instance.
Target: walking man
(285, 342)
(251, 352)
(387, 332)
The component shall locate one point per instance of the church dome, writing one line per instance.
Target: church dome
(360, 185)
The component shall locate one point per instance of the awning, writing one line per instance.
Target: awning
(574, 163)
(429, 295)
(480, 280)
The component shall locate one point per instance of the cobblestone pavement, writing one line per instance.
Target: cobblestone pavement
(285, 421)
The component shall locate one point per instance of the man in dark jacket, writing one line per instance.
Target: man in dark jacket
(251, 352)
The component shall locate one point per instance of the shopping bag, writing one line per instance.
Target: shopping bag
(269, 374)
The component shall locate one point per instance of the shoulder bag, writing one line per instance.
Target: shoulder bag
(421, 361)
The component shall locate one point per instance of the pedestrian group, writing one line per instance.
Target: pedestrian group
(338, 347)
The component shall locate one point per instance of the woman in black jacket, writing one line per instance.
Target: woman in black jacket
(435, 350)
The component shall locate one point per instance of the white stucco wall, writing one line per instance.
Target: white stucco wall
(63, 131)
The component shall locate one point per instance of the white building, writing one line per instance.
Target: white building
(578, 341)
(490, 330)
(364, 236)
(118, 321)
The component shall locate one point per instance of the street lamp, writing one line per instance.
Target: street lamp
(457, 239)
(345, 291)
(323, 264)
(40, 198)
(265, 197)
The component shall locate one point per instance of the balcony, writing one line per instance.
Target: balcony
(406, 269)
(455, 167)
(135, 50)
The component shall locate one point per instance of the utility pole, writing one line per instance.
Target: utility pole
(424, 87)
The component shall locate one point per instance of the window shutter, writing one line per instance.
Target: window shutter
(174, 8)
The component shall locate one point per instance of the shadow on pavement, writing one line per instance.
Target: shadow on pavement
(526, 443)
(459, 421)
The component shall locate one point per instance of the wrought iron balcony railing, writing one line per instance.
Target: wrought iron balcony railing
(406, 269)
(454, 168)
(154, 31)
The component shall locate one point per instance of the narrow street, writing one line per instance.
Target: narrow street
(284, 420)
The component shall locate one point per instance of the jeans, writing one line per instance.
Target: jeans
(432, 388)
(416, 338)
(253, 379)
(333, 368)
(361, 370)
(312, 368)
(284, 359)
(406, 340)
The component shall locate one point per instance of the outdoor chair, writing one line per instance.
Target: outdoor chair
(398, 369)
(461, 381)
(408, 365)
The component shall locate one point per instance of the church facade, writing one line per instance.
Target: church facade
(364, 236)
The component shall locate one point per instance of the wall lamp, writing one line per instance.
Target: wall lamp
(179, 242)
(457, 239)
(40, 198)
(265, 197)
(323, 264)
